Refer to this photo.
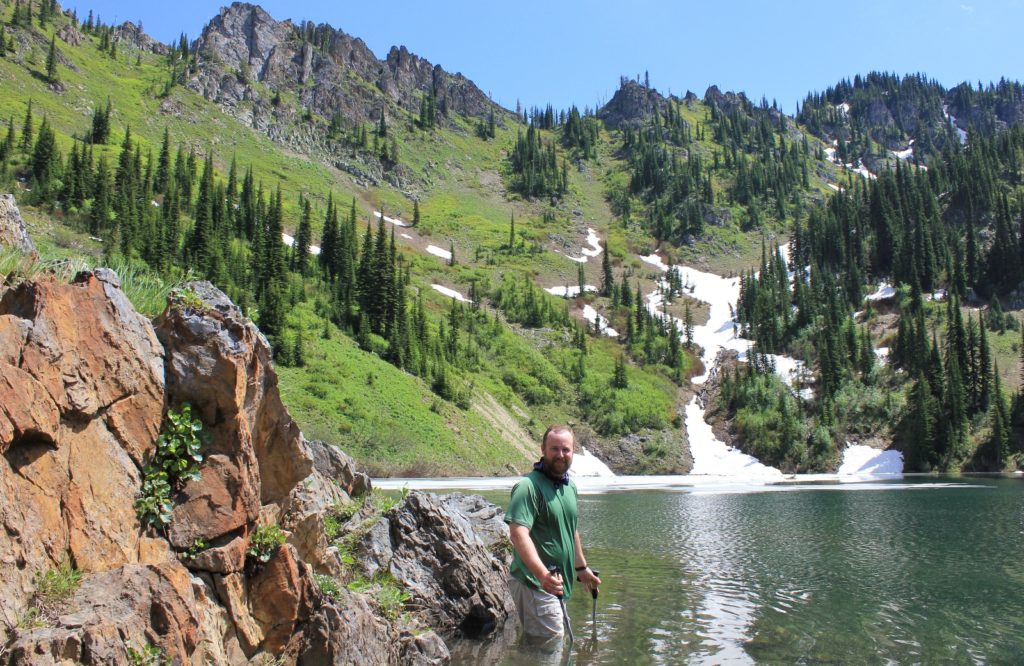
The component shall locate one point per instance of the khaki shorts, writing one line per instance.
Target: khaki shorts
(539, 612)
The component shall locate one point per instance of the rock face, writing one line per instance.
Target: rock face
(244, 45)
(81, 400)
(12, 227)
(452, 568)
(84, 382)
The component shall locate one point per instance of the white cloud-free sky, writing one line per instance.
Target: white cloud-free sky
(567, 53)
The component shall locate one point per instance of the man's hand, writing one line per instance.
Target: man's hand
(588, 578)
(552, 583)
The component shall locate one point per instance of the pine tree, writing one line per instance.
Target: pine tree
(26, 130)
(51, 62)
(416, 213)
(619, 378)
(303, 236)
(607, 279)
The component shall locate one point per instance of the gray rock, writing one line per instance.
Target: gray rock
(12, 228)
(434, 547)
(347, 632)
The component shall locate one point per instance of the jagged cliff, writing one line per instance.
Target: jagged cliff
(85, 387)
(330, 71)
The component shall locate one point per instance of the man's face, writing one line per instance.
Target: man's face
(557, 452)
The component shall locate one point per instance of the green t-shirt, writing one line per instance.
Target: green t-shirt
(551, 516)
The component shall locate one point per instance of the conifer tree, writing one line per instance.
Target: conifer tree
(303, 236)
(607, 278)
(51, 61)
(27, 130)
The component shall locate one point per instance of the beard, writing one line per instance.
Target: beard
(557, 467)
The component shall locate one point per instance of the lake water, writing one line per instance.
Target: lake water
(913, 570)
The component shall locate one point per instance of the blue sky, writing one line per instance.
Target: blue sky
(574, 52)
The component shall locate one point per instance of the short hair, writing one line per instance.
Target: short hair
(557, 429)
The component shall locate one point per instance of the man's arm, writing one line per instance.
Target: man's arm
(521, 541)
(585, 575)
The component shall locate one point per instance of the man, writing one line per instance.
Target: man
(542, 520)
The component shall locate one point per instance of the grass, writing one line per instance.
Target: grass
(385, 418)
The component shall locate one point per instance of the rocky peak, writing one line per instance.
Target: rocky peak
(243, 44)
(630, 104)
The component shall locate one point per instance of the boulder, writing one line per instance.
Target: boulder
(219, 361)
(12, 228)
(133, 606)
(433, 549)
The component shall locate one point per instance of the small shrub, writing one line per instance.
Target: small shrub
(386, 591)
(328, 585)
(264, 543)
(175, 461)
(189, 300)
(198, 546)
(150, 655)
(58, 584)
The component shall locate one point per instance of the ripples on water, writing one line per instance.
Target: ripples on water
(886, 576)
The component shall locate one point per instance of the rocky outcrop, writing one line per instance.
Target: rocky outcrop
(631, 104)
(451, 555)
(131, 35)
(330, 71)
(12, 227)
(84, 383)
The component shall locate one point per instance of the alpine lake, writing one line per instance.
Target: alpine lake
(903, 571)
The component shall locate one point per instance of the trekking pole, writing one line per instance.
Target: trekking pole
(561, 601)
(593, 593)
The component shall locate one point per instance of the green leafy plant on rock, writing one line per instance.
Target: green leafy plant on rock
(264, 543)
(150, 655)
(175, 461)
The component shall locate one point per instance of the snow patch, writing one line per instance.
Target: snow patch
(655, 260)
(835, 187)
(438, 252)
(882, 354)
(884, 291)
(451, 293)
(290, 242)
(862, 460)
(585, 463)
(594, 242)
(407, 236)
(711, 457)
(595, 248)
(591, 315)
(393, 220)
(905, 154)
(569, 292)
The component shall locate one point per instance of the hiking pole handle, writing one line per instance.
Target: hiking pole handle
(593, 592)
(553, 569)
